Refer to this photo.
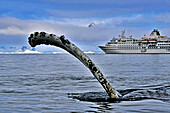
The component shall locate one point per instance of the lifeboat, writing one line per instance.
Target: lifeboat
(162, 36)
(153, 39)
(145, 39)
(123, 40)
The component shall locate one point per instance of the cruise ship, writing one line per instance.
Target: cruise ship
(152, 44)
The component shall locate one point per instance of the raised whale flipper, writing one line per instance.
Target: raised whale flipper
(51, 39)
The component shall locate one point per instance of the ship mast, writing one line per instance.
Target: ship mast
(123, 35)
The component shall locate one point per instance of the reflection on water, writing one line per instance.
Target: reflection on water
(60, 83)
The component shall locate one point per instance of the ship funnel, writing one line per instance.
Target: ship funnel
(155, 32)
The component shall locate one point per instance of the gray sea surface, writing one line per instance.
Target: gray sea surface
(50, 83)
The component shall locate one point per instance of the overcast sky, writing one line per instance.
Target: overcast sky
(18, 18)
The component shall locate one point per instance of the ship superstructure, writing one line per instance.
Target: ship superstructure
(154, 43)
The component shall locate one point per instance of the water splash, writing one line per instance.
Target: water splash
(162, 94)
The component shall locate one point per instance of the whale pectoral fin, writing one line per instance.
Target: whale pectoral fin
(51, 39)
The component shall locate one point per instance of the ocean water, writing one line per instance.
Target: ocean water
(51, 83)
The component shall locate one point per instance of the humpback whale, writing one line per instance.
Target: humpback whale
(38, 38)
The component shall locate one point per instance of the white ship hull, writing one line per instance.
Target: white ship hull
(152, 44)
(110, 50)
